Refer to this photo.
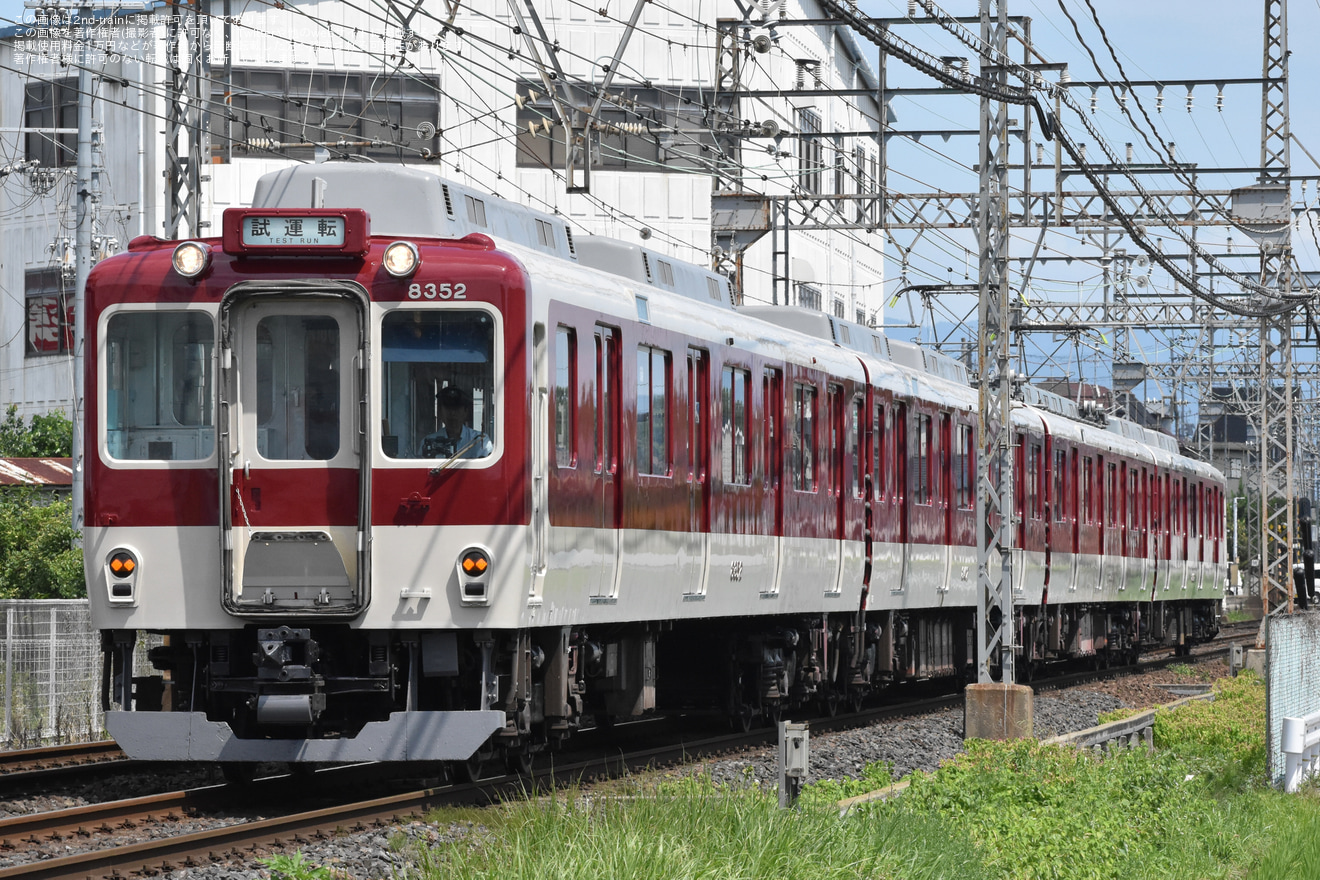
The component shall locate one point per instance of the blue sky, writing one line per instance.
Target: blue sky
(1172, 39)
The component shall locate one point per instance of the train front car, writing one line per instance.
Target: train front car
(306, 478)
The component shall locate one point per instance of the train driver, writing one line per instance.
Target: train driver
(456, 438)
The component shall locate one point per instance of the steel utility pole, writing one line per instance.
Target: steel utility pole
(994, 466)
(87, 191)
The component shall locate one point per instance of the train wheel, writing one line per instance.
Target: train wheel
(238, 773)
(856, 697)
(477, 766)
(519, 761)
(744, 718)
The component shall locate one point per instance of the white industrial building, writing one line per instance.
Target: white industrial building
(450, 86)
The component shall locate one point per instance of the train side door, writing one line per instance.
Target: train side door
(901, 492)
(293, 483)
(699, 444)
(608, 401)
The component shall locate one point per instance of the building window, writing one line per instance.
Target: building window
(811, 153)
(383, 117)
(802, 451)
(49, 318)
(653, 382)
(565, 397)
(840, 311)
(638, 129)
(735, 437)
(808, 296)
(48, 106)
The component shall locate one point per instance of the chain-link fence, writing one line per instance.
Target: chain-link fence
(1292, 644)
(52, 673)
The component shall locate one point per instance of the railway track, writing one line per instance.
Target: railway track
(634, 747)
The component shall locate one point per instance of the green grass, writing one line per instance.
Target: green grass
(1198, 808)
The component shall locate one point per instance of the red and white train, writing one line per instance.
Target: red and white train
(660, 502)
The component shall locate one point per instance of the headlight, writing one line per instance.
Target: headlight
(191, 258)
(402, 259)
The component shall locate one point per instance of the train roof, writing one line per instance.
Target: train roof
(407, 201)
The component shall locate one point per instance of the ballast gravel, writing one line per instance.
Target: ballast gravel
(916, 743)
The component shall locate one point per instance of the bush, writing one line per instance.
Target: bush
(1044, 812)
(1226, 737)
(38, 559)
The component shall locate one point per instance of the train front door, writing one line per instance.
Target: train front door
(293, 399)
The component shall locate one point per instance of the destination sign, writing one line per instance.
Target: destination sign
(285, 231)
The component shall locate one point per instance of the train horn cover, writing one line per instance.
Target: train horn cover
(191, 258)
(402, 259)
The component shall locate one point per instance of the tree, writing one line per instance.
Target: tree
(47, 436)
(39, 558)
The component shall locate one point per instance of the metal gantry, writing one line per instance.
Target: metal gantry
(1261, 373)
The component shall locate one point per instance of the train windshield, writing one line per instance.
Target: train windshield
(438, 393)
(159, 392)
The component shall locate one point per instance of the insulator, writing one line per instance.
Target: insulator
(1129, 153)
(1093, 99)
(1040, 154)
(1219, 101)
(1173, 149)
(1122, 99)
(912, 8)
(1065, 76)
(1189, 100)
(1159, 101)
(259, 143)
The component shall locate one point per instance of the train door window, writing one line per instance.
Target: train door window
(735, 436)
(880, 451)
(439, 383)
(772, 393)
(298, 407)
(856, 446)
(964, 466)
(654, 379)
(802, 449)
(159, 386)
(925, 452)
(1086, 490)
(1193, 504)
(943, 481)
(698, 378)
(1112, 495)
(1033, 476)
(607, 400)
(1060, 485)
(565, 396)
(834, 451)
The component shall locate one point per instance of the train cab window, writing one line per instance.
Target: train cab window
(802, 448)
(159, 394)
(735, 434)
(438, 384)
(565, 412)
(653, 384)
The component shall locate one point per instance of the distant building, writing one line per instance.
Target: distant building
(460, 95)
